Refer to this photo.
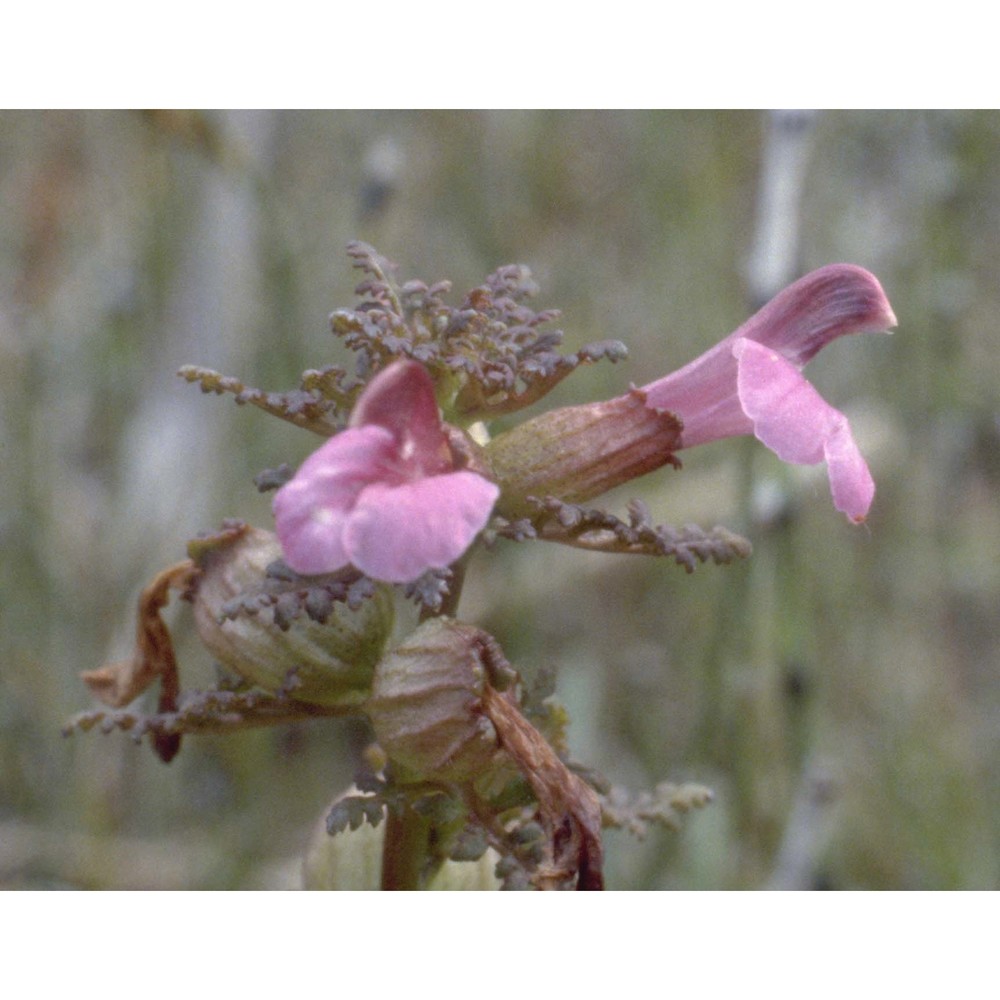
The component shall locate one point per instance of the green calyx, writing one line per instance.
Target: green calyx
(324, 656)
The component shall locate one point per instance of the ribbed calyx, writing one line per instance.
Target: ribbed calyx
(579, 452)
(427, 702)
(328, 662)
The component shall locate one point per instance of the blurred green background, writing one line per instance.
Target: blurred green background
(839, 691)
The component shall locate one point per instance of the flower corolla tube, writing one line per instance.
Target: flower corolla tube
(751, 382)
(384, 495)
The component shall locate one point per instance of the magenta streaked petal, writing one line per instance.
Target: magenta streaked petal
(397, 533)
(799, 426)
(312, 509)
(825, 304)
(401, 399)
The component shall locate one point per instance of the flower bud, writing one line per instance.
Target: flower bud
(444, 706)
(332, 662)
(427, 702)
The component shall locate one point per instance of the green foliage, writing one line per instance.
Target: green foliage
(353, 810)
(598, 531)
(664, 806)
(315, 409)
(213, 710)
(289, 595)
(489, 353)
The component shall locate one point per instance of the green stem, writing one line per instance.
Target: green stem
(405, 850)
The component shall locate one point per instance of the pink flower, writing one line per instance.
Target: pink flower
(751, 382)
(384, 495)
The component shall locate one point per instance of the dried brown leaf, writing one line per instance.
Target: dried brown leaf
(569, 809)
(116, 684)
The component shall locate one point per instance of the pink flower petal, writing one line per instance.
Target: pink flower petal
(851, 483)
(397, 533)
(825, 304)
(798, 425)
(312, 509)
(788, 414)
(401, 399)
(703, 395)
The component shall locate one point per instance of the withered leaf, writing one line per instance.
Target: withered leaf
(117, 684)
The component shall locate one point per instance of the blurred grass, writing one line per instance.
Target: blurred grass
(839, 691)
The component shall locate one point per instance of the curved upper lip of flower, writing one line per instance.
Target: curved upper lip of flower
(750, 382)
(385, 494)
(825, 304)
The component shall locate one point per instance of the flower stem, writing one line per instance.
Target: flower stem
(407, 833)
(404, 850)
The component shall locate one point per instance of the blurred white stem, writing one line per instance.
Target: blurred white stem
(774, 256)
(172, 450)
(807, 831)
